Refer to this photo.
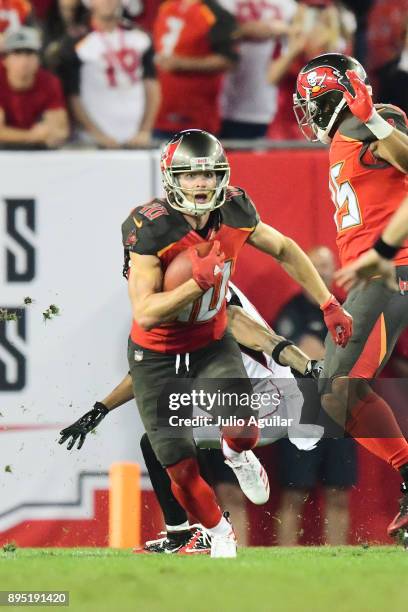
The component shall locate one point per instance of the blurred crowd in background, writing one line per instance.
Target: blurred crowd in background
(127, 73)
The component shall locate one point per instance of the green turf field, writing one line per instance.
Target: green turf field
(325, 579)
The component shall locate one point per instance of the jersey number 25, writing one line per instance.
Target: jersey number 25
(348, 212)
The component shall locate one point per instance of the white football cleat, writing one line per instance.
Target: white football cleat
(224, 546)
(251, 476)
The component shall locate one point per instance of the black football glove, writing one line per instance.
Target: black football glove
(314, 369)
(83, 426)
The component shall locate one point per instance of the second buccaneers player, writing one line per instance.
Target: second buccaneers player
(368, 167)
(183, 331)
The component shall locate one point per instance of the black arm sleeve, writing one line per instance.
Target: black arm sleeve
(149, 69)
(221, 33)
(69, 69)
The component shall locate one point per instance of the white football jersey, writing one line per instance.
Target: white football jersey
(254, 369)
(111, 67)
(246, 95)
(277, 379)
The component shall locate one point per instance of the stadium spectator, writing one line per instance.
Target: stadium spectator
(194, 46)
(261, 24)
(143, 13)
(41, 8)
(319, 27)
(387, 56)
(66, 18)
(109, 77)
(13, 14)
(32, 109)
(333, 462)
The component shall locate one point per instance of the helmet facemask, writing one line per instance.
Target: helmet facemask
(177, 195)
(314, 120)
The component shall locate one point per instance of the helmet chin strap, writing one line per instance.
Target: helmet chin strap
(323, 135)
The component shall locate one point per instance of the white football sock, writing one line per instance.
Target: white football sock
(222, 528)
(231, 454)
(183, 527)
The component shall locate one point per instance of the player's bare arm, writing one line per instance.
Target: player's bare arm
(150, 305)
(253, 335)
(298, 265)
(121, 394)
(393, 149)
(391, 144)
(378, 260)
(292, 258)
(397, 229)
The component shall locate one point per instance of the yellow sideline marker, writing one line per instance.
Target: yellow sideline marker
(124, 505)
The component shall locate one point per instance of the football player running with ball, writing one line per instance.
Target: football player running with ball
(368, 166)
(182, 333)
(266, 357)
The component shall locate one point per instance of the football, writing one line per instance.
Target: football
(179, 270)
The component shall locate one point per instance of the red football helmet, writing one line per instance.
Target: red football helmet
(318, 102)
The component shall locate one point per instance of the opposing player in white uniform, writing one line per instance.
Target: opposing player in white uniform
(268, 359)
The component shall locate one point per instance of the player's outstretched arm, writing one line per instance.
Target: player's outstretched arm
(377, 261)
(78, 431)
(368, 265)
(391, 144)
(298, 265)
(253, 335)
(120, 395)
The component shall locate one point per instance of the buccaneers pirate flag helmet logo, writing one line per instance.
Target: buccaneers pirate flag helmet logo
(318, 100)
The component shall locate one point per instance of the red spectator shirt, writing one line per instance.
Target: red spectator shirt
(23, 109)
(13, 14)
(190, 99)
(387, 23)
(145, 19)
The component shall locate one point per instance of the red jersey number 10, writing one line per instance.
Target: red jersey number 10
(210, 303)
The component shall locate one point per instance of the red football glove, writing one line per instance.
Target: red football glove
(206, 269)
(361, 105)
(338, 321)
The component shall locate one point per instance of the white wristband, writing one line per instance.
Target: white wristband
(379, 126)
